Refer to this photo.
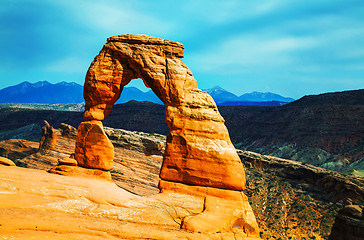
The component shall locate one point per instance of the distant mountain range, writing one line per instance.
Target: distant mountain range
(325, 130)
(42, 92)
(63, 92)
(225, 98)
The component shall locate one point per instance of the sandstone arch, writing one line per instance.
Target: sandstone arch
(198, 150)
(199, 159)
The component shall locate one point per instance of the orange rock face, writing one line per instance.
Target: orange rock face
(49, 138)
(198, 150)
(6, 162)
(93, 148)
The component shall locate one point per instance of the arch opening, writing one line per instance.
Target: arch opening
(137, 90)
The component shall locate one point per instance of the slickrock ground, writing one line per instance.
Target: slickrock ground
(285, 208)
(35, 204)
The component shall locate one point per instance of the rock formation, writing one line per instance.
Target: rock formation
(349, 224)
(199, 158)
(93, 148)
(6, 162)
(48, 139)
(150, 144)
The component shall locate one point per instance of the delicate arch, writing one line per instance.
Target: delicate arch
(198, 149)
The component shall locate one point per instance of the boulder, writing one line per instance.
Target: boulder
(93, 149)
(75, 171)
(6, 162)
(67, 161)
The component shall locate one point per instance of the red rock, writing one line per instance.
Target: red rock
(67, 161)
(349, 223)
(223, 210)
(49, 137)
(75, 171)
(199, 158)
(6, 162)
(93, 148)
(198, 149)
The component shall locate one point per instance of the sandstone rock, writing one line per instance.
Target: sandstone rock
(93, 148)
(67, 161)
(6, 162)
(142, 142)
(349, 224)
(199, 158)
(38, 205)
(67, 130)
(223, 210)
(17, 148)
(198, 149)
(48, 139)
(75, 171)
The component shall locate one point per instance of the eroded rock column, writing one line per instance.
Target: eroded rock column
(93, 148)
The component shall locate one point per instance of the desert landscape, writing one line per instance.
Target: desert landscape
(203, 119)
(99, 182)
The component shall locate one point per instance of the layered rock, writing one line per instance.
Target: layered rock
(148, 143)
(349, 224)
(49, 137)
(93, 148)
(198, 149)
(199, 157)
(6, 162)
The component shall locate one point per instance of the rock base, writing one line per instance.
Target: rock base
(6, 162)
(223, 210)
(75, 171)
(93, 148)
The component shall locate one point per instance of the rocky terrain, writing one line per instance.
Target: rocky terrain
(323, 130)
(288, 204)
(202, 187)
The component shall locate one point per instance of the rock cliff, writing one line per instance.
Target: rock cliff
(349, 224)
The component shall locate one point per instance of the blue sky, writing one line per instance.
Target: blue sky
(292, 48)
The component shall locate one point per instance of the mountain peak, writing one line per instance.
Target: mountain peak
(67, 84)
(42, 92)
(40, 84)
(214, 89)
(263, 97)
